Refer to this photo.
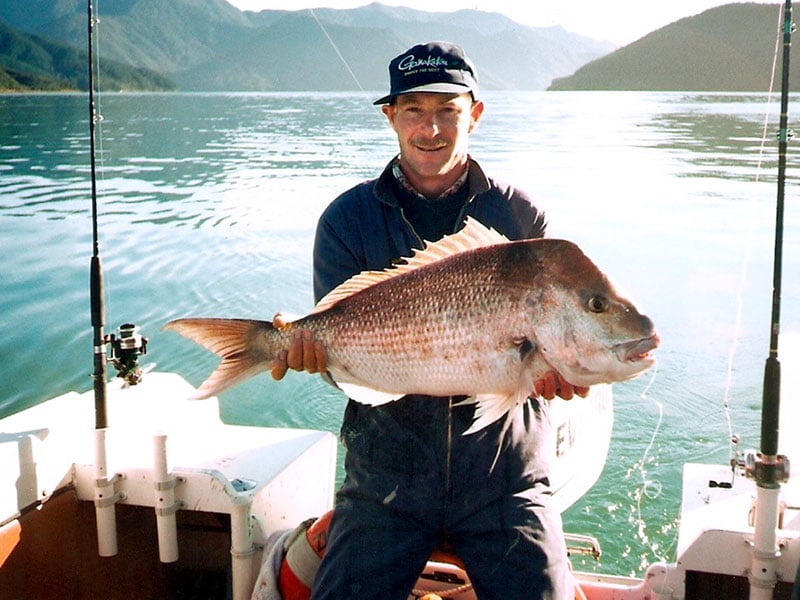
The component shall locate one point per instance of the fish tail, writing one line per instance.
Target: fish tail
(240, 343)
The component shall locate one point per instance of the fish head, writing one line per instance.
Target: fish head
(588, 331)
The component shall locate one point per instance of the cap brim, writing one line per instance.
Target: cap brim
(434, 88)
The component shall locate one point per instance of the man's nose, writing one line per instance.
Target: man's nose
(430, 124)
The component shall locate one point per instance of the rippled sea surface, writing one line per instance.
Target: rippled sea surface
(208, 206)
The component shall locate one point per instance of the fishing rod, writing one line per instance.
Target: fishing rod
(105, 498)
(770, 469)
(126, 346)
(96, 290)
(105, 512)
(772, 372)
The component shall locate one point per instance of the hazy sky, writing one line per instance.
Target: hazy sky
(618, 21)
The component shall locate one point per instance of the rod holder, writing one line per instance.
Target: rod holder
(104, 499)
(763, 575)
(165, 504)
(242, 551)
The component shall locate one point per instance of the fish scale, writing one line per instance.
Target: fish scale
(439, 317)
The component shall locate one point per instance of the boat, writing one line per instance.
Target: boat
(131, 490)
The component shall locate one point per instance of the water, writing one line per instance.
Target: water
(209, 202)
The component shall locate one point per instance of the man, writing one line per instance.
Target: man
(412, 478)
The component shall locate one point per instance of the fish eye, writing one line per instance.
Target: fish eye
(598, 304)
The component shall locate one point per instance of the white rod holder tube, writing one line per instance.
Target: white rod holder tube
(242, 552)
(165, 505)
(104, 499)
(763, 576)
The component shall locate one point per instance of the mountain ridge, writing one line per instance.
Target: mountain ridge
(209, 45)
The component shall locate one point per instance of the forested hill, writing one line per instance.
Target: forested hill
(728, 48)
(30, 62)
(210, 45)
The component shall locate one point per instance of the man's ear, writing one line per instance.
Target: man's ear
(475, 112)
(390, 110)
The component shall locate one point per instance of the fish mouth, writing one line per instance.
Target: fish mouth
(636, 350)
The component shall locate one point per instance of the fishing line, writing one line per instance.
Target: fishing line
(343, 59)
(98, 96)
(650, 488)
(769, 95)
(336, 49)
(645, 395)
(748, 247)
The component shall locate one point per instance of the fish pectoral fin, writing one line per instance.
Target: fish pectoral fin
(368, 396)
(467, 400)
(491, 407)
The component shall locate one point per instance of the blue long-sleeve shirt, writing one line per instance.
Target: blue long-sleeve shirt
(366, 228)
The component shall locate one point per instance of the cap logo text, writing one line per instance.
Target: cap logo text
(411, 62)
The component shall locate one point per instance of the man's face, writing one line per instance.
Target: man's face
(433, 130)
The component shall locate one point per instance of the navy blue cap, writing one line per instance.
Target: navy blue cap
(438, 67)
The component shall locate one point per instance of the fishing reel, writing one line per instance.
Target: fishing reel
(753, 465)
(776, 470)
(126, 348)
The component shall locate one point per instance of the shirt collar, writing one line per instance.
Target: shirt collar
(406, 184)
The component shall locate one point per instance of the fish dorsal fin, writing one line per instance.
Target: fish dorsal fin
(474, 235)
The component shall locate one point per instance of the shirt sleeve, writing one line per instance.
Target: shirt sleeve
(334, 260)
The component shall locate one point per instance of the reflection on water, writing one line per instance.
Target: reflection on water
(209, 202)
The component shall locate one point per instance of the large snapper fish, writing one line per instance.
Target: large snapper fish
(473, 314)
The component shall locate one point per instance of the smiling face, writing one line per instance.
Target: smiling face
(433, 130)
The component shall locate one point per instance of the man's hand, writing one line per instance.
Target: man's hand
(304, 354)
(553, 384)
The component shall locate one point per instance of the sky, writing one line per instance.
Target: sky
(617, 21)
